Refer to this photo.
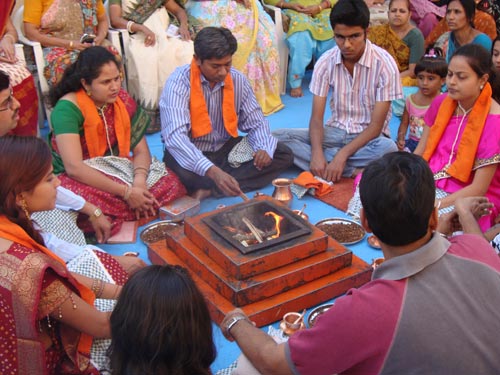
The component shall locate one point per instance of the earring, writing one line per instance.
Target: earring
(24, 207)
(481, 87)
(89, 93)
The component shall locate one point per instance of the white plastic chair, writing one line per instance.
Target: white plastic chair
(43, 91)
(119, 38)
(282, 47)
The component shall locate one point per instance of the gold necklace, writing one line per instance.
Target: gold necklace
(452, 153)
(101, 113)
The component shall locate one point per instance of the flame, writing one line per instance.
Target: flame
(277, 219)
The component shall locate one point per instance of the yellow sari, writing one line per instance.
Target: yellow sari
(257, 55)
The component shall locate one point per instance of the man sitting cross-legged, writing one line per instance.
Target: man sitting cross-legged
(363, 80)
(203, 106)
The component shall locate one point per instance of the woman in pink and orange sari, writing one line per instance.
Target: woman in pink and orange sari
(49, 324)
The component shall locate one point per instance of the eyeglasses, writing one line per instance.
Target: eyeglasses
(9, 102)
(351, 38)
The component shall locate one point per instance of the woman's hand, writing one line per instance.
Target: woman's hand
(149, 36)
(7, 49)
(312, 10)
(184, 32)
(142, 202)
(296, 7)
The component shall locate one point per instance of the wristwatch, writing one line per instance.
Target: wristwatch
(97, 213)
(233, 321)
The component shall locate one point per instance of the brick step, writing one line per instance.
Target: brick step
(263, 285)
(273, 308)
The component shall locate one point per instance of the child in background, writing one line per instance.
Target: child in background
(431, 73)
(495, 54)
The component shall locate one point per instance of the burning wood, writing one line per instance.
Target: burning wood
(256, 235)
(255, 231)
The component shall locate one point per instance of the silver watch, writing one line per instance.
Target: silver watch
(233, 321)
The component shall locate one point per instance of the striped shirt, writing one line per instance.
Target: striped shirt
(375, 79)
(176, 119)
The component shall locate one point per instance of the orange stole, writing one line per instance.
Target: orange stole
(93, 126)
(461, 167)
(200, 120)
(15, 233)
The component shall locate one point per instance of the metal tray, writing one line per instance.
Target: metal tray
(154, 226)
(313, 315)
(338, 220)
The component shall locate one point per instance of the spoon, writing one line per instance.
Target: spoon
(302, 210)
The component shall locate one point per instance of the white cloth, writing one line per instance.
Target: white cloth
(67, 200)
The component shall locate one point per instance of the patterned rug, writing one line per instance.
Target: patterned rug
(341, 194)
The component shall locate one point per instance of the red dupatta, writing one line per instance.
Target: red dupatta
(13, 232)
(6, 7)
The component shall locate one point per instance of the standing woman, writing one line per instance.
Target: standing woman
(98, 141)
(23, 85)
(257, 54)
(401, 39)
(459, 17)
(462, 136)
(48, 318)
(147, 22)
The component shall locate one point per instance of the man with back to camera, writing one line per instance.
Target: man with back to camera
(203, 106)
(430, 308)
(363, 79)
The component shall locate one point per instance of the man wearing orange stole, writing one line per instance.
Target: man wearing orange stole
(202, 107)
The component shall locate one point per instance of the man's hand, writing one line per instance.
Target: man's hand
(449, 223)
(224, 325)
(318, 165)
(261, 159)
(102, 227)
(335, 168)
(225, 183)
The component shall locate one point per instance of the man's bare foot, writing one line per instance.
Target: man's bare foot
(296, 93)
(201, 194)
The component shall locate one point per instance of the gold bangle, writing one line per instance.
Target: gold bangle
(128, 191)
(71, 44)
(320, 8)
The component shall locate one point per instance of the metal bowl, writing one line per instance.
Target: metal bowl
(301, 214)
(338, 220)
(313, 315)
(157, 231)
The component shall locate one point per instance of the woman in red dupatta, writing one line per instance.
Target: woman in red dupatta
(48, 320)
(98, 142)
(21, 79)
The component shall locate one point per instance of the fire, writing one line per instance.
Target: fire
(277, 219)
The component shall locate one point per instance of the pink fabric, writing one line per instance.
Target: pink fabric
(416, 115)
(488, 150)
(356, 333)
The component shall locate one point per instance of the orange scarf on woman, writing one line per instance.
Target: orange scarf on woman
(93, 126)
(200, 119)
(461, 167)
(13, 232)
